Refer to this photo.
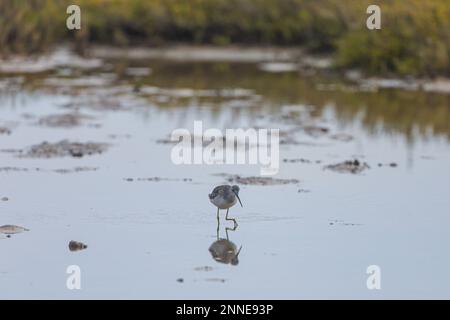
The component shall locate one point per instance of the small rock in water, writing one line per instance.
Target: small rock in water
(76, 246)
(180, 280)
(12, 229)
(5, 199)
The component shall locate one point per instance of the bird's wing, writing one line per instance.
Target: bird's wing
(217, 190)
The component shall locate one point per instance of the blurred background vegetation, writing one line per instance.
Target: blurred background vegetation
(414, 40)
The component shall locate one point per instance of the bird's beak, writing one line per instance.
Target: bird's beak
(237, 254)
(238, 199)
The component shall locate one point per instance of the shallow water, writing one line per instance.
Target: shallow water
(311, 239)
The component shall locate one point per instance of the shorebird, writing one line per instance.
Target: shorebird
(224, 197)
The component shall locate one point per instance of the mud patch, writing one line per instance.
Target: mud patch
(119, 136)
(220, 280)
(350, 166)
(18, 169)
(302, 160)
(101, 80)
(12, 229)
(392, 165)
(67, 120)
(376, 84)
(11, 151)
(158, 179)
(166, 141)
(206, 141)
(64, 148)
(59, 58)
(334, 222)
(316, 131)
(75, 170)
(204, 268)
(258, 181)
(294, 142)
(103, 99)
(60, 171)
(342, 137)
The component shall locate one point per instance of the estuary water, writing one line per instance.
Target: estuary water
(363, 180)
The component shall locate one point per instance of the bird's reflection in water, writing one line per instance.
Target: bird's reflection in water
(225, 251)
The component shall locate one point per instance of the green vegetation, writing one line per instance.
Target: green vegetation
(414, 40)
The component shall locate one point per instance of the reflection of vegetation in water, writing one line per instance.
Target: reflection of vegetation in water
(415, 35)
(397, 110)
(390, 110)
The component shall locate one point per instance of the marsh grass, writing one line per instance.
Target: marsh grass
(414, 40)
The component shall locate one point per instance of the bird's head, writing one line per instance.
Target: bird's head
(235, 190)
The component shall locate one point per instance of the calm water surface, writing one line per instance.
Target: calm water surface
(311, 239)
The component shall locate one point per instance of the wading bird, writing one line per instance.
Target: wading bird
(224, 197)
